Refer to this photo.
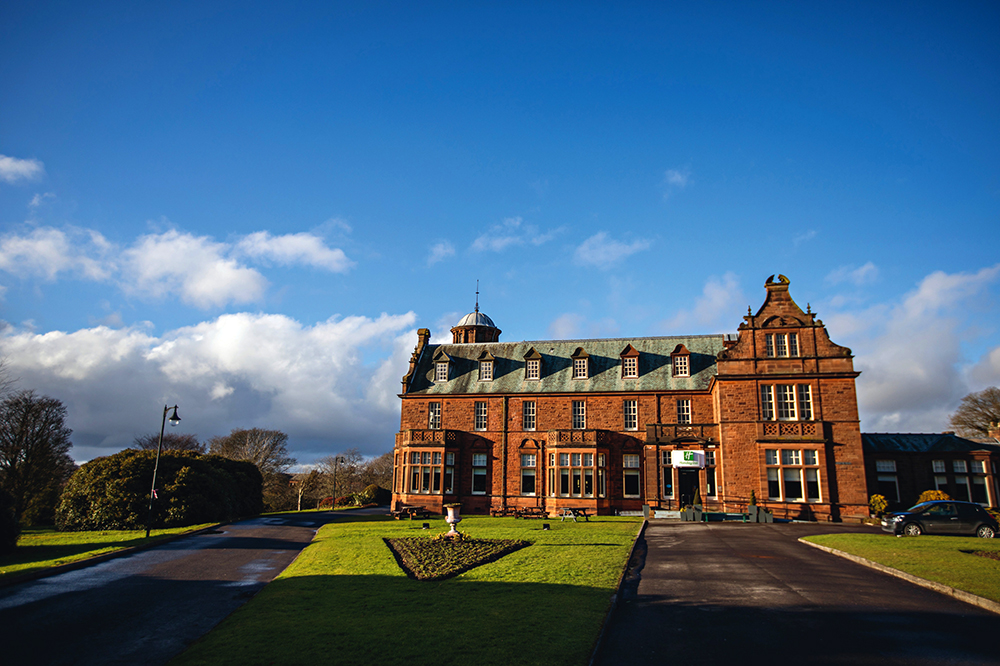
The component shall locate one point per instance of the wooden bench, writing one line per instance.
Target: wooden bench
(574, 512)
(410, 512)
(531, 512)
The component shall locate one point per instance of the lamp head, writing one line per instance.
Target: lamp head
(174, 419)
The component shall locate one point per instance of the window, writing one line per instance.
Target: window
(528, 473)
(710, 489)
(941, 483)
(979, 493)
(579, 415)
(795, 478)
(885, 465)
(449, 473)
(580, 368)
(482, 416)
(938, 466)
(630, 367)
(979, 467)
(668, 474)
(682, 366)
(572, 474)
(532, 369)
(888, 487)
(786, 402)
(962, 485)
(528, 415)
(631, 410)
(684, 411)
(630, 464)
(781, 344)
(434, 416)
(478, 473)
(441, 372)
(425, 472)
(959, 466)
(486, 371)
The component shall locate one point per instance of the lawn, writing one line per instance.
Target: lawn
(345, 600)
(44, 547)
(948, 560)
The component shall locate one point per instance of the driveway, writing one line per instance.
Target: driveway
(147, 607)
(727, 593)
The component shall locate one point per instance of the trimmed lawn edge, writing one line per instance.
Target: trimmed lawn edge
(961, 595)
(96, 559)
(616, 598)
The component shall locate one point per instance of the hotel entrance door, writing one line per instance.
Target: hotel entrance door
(688, 481)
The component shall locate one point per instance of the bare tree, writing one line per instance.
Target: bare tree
(6, 380)
(268, 449)
(306, 485)
(341, 473)
(172, 441)
(977, 413)
(378, 471)
(34, 454)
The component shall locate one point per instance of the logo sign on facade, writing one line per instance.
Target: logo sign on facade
(687, 458)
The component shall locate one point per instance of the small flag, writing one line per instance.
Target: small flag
(154, 494)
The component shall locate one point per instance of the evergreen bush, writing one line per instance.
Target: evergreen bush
(930, 495)
(10, 528)
(112, 493)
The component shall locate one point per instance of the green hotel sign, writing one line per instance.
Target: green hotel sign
(687, 458)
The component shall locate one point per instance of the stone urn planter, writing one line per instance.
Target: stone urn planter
(453, 518)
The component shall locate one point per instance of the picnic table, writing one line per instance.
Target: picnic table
(574, 512)
(410, 512)
(531, 512)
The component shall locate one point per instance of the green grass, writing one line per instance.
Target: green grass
(346, 601)
(44, 547)
(947, 560)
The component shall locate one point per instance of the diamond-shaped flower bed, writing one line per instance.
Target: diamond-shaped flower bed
(439, 558)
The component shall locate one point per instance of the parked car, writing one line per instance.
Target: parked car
(942, 517)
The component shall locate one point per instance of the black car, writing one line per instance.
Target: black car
(942, 517)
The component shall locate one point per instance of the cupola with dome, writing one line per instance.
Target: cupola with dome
(475, 327)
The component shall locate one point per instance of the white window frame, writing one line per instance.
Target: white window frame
(631, 469)
(581, 368)
(479, 463)
(486, 371)
(885, 466)
(630, 367)
(441, 371)
(529, 412)
(434, 416)
(785, 464)
(482, 416)
(682, 365)
(959, 467)
(579, 415)
(937, 466)
(781, 345)
(767, 402)
(630, 411)
(528, 463)
(684, 411)
(533, 369)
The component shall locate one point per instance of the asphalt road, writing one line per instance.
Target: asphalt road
(147, 607)
(729, 593)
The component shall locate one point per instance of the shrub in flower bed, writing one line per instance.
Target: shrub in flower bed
(444, 557)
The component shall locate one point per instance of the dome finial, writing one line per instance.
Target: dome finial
(477, 295)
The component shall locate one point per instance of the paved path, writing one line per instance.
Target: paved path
(729, 593)
(147, 607)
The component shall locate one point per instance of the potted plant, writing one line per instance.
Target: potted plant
(752, 510)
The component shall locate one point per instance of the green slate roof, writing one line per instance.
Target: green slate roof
(921, 443)
(557, 366)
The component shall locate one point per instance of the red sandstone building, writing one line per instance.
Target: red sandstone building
(616, 424)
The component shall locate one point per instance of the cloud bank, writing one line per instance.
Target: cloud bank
(13, 170)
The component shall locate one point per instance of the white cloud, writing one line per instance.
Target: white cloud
(511, 232)
(675, 180)
(240, 370)
(573, 326)
(910, 353)
(857, 276)
(603, 252)
(47, 252)
(39, 199)
(301, 248)
(13, 169)
(804, 237)
(194, 267)
(720, 301)
(440, 251)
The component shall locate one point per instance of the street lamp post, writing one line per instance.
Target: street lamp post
(174, 420)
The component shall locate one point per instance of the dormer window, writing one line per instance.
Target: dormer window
(486, 361)
(680, 361)
(781, 345)
(581, 364)
(441, 363)
(630, 363)
(532, 365)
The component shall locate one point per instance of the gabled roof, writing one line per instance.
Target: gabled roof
(557, 363)
(921, 443)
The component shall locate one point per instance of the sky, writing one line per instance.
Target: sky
(247, 209)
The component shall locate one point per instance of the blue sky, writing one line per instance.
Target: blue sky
(248, 208)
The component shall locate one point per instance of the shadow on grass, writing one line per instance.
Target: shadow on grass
(396, 620)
